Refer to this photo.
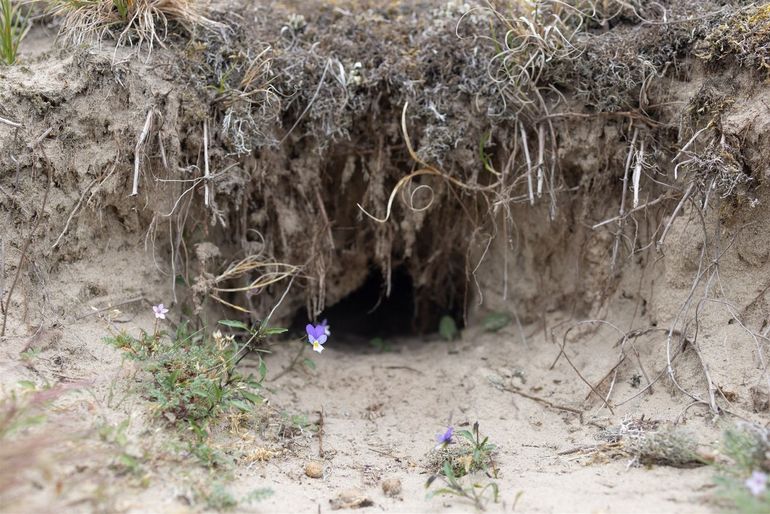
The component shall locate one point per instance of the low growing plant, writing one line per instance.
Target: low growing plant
(742, 472)
(479, 494)
(219, 498)
(194, 376)
(471, 454)
(468, 454)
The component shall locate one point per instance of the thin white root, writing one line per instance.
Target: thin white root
(638, 174)
(2, 270)
(10, 123)
(622, 214)
(206, 173)
(427, 169)
(525, 145)
(540, 159)
(673, 216)
(138, 151)
(643, 206)
(687, 145)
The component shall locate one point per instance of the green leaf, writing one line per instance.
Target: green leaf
(240, 405)
(496, 491)
(253, 398)
(380, 344)
(128, 461)
(262, 369)
(483, 156)
(258, 495)
(515, 500)
(447, 470)
(310, 363)
(495, 321)
(445, 490)
(233, 324)
(447, 328)
(271, 331)
(468, 435)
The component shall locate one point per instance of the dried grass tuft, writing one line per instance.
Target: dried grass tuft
(136, 23)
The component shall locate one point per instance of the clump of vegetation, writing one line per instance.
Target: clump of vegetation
(465, 451)
(218, 498)
(452, 460)
(194, 377)
(13, 28)
(193, 381)
(447, 328)
(646, 443)
(667, 447)
(129, 22)
(744, 467)
(479, 494)
(496, 321)
(381, 345)
(126, 461)
(742, 35)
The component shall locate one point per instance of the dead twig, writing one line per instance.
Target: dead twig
(10, 123)
(110, 307)
(674, 214)
(547, 403)
(562, 352)
(666, 196)
(74, 211)
(25, 247)
(321, 433)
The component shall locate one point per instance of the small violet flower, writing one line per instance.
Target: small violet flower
(445, 438)
(325, 325)
(757, 483)
(317, 336)
(160, 311)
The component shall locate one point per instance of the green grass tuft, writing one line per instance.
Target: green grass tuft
(13, 28)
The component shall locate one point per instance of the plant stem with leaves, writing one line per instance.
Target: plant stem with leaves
(13, 28)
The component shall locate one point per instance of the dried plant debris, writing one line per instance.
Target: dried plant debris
(644, 442)
(140, 23)
(742, 35)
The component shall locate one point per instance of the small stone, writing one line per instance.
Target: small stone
(391, 487)
(314, 469)
(351, 499)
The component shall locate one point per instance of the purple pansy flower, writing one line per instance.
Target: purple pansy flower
(445, 438)
(325, 325)
(160, 311)
(757, 483)
(316, 335)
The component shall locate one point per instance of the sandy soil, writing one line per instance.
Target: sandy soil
(381, 412)
(414, 390)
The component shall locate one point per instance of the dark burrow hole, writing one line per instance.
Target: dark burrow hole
(367, 313)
